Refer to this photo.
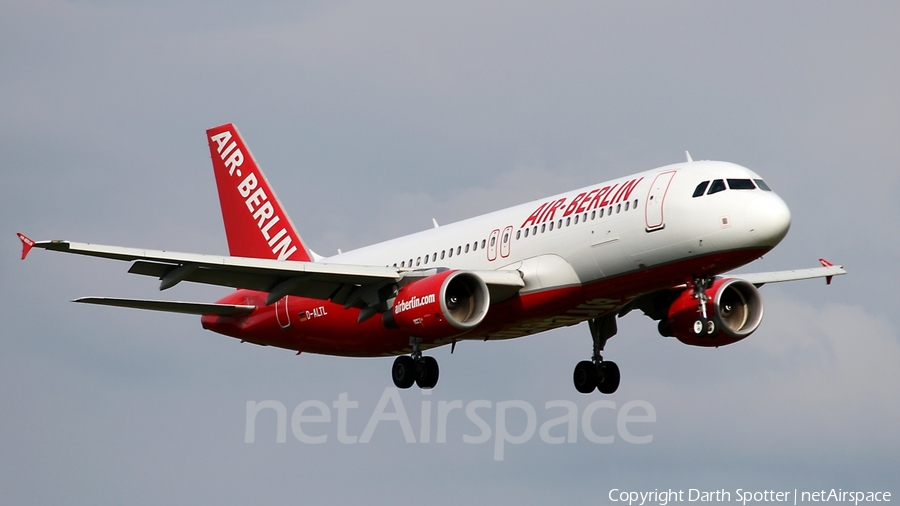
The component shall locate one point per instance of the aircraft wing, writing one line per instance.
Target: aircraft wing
(347, 284)
(827, 271)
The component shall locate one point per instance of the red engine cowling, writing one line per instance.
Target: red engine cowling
(444, 305)
(734, 307)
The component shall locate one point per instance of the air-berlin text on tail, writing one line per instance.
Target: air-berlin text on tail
(584, 201)
(256, 199)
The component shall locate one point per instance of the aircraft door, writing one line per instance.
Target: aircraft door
(505, 241)
(492, 245)
(282, 315)
(653, 208)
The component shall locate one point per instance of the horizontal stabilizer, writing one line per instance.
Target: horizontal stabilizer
(169, 306)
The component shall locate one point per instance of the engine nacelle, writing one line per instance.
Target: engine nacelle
(734, 306)
(444, 305)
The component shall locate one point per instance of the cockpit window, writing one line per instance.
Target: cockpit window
(741, 184)
(762, 185)
(700, 189)
(717, 186)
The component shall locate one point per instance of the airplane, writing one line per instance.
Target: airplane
(658, 241)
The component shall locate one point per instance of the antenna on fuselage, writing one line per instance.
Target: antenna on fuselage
(435, 223)
(688, 155)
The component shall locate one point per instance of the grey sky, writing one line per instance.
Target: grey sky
(369, 120)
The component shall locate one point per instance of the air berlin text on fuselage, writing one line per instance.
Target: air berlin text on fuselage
(257, 201)
(584, 201)
(406, 305)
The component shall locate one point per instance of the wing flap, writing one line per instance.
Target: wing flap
(170, 306)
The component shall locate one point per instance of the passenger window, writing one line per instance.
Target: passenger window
(576, 219)
(410, 262)
(526, 232)
(618, 208)
(434, 257)
(505, 237)
(475, 246)
(551, 226)
(717, 186)
(741, 184)
(601, 212)
(459, 250)
(626, 205)
(559, 225)
(634, 206)
(467, 247)
(568, 221)
(762, 185)
(493, 240)
(418, 261)
(543, 228)
(584, 217)
(450, 253)
(518, 234)
(482, 243)
(698, 192)
(534, 232)
(593, 214)
(403, 263)
(426, 259)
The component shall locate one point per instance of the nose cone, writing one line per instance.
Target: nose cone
(769, 219)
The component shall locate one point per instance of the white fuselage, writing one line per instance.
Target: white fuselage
(659, 222)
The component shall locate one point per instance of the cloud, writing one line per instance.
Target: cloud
(371, 119)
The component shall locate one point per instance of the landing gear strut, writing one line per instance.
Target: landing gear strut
(597, 373)
(704, 325)
(423, 371)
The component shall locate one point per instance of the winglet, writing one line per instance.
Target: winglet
(27, 244)
(826, 263)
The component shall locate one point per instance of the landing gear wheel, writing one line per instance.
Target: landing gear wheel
(704, 327)
(585, 377)
(699, 327)
(404, 372)
(608, 378)
(428, 373)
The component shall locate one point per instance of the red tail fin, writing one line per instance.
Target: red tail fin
(255, 223)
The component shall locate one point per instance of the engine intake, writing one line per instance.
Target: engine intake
(735, 307)
(446, 304)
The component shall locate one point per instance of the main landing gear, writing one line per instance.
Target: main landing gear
(597, 373)
(704, 325)
(423, 371)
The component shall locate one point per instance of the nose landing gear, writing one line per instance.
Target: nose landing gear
(597, 373)
(423, 371)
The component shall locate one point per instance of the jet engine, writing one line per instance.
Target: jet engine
(734, 310)
(446, 304)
